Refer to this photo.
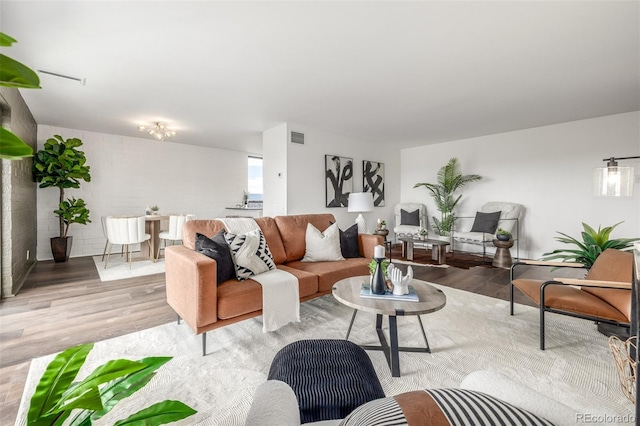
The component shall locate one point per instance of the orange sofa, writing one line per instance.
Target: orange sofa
(191, 276)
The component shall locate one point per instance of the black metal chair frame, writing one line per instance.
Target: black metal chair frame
(544, 308)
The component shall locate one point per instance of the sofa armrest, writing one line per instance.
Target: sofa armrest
(274, 404)
(191, 287)
(594, 283)
(551, 263)
(367, 244)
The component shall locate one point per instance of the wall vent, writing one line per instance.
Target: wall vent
(297, 137)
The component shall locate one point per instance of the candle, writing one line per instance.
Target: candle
(378, 252)
(379, 222)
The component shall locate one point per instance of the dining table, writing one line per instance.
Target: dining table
(152, 226)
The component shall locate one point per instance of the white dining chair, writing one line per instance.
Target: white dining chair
(176, 222)
(125, 231)
(106, 236)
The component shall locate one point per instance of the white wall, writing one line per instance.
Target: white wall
(306, 174)
(274, 169)
(128, 174)
(547, 169)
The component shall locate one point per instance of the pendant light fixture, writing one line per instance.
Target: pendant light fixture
(613, 180)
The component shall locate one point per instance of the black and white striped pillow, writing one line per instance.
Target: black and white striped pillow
(460, 407)
(250, 253)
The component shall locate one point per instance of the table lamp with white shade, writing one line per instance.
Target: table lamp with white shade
(360, 202)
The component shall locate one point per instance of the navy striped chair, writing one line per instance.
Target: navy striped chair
(330, 378)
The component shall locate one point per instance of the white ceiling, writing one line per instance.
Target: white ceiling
(408, 73)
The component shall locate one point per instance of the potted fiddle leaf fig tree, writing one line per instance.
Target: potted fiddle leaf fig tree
(62, 165)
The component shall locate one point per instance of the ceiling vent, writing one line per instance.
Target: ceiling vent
(297, 137)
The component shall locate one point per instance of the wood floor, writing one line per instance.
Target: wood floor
(62, 305)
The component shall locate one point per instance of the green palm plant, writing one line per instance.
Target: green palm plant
(593, 243)
(450, 179)
(59, 400)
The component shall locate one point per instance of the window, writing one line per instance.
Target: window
(254, 179)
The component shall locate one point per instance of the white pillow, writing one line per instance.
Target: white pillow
(250, 253)
(322, 246)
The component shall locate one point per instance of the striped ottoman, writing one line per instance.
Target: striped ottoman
(329, 377)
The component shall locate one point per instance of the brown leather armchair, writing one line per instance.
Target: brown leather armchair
(604, 295)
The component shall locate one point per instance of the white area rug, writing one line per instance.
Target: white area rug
(472, 332)
(118, 268)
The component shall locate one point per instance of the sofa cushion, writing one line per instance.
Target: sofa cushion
(322, 246)
(331, 272)
(307, 282)
(272, 235)
(250, 253)
(217, 249)
(242, 297)
(410, 218)
(294, 228)
(208, 227)
(486, 222)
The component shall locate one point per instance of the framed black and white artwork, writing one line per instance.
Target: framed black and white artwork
(338, 173)
(373, 181)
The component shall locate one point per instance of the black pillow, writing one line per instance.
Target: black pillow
(349, 241)
(217, 249)
(486, 222)
(412, 218)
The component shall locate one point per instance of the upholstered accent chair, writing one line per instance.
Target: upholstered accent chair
(409, 226)
(126, 231)
(174, 233)
(510, 218)
(604, 295)
(103, 219)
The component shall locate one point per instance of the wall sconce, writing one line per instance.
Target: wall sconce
(613, 180)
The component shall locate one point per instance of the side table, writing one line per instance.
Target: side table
(502, 258)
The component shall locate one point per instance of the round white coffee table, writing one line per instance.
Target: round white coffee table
(431, 299)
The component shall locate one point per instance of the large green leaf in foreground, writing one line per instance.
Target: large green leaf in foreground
(12, 147)
(56, 379)
(158, 414)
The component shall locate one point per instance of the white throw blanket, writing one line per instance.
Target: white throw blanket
(280, 291)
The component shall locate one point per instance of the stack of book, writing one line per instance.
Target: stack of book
(412, 296)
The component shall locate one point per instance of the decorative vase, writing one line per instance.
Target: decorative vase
(61, 248)
(503, 237)
(379, 282)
